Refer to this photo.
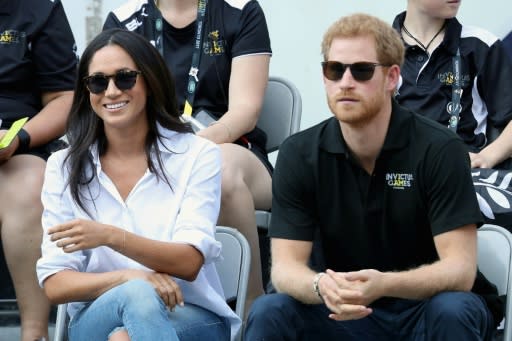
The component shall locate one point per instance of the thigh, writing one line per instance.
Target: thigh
(281, 317)
(192, 323)
(96, 320)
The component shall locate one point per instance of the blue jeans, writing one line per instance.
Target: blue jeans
(446, 316)
(136, 307)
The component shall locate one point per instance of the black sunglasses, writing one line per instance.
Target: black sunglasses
(361, 71)
(123, 79)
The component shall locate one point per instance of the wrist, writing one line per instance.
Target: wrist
(316, 284)
(23, 141)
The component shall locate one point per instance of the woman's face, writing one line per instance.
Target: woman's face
(118, 108)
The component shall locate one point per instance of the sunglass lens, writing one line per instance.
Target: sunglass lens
(97, 83)
(125, 79)
(362, 71)
(333, 70)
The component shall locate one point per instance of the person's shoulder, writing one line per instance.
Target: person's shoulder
(39, 10)
(239, 4)
(129, 8)
(308, 138)
(479, 34)
(180, 142)
(57, 158)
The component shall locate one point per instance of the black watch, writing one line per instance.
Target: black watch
(24, 141)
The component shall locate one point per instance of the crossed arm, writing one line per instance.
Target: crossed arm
(348, 295)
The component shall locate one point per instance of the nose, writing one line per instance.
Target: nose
(346, 81)
(112, 89)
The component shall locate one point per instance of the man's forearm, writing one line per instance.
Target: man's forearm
(429, 280)
(296, 281)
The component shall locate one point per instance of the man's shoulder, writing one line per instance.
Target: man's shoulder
(309, 137)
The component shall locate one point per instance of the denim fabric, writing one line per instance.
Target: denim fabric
(136, 307)
(446, 316)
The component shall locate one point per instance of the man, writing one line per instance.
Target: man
(390, 195)
(431, 84)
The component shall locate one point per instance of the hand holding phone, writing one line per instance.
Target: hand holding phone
(6, 140)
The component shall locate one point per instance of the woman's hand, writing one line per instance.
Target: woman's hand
(81, 234)
(164, 285)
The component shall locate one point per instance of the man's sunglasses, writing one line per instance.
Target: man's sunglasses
(361, 71)
(123, 79)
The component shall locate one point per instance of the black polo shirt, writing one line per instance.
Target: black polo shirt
(421, 187)
(486, 73)
(37, 54)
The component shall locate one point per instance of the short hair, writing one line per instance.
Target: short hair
(388, 44)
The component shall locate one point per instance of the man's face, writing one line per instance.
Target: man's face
(353, 101)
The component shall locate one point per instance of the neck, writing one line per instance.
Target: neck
(365, 141)
(126, 142)
(178, 13)
(421, 26)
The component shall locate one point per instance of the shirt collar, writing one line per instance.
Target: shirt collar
(332, 140)
(453, 29)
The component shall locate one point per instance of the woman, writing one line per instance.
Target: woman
(130, 207)
(37, 74)
(232, 73)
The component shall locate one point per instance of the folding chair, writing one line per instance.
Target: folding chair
(495, 262)
(233, 272)
(279, 118)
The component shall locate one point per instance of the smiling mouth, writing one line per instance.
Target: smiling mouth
(115, 105)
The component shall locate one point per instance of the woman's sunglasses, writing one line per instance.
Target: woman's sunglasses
(124, 80)
(361, 71)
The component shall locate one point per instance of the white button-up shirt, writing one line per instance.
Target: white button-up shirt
(187, 213)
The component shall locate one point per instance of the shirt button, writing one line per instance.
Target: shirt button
(421, 58)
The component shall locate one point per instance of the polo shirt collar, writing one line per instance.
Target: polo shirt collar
(332, 140)
(453, 29)
(397, 136)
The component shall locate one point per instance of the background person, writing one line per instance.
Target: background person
(432, 36)
(130, 207)
(231, 82)
(378, 183)
(37, 74)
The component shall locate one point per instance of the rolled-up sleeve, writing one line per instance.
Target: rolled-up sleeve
(197, 219)
(56, 210)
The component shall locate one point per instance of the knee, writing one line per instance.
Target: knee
(29, 182)
(270, 311)
(451, 308)
(232, 180)
(141, 295)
